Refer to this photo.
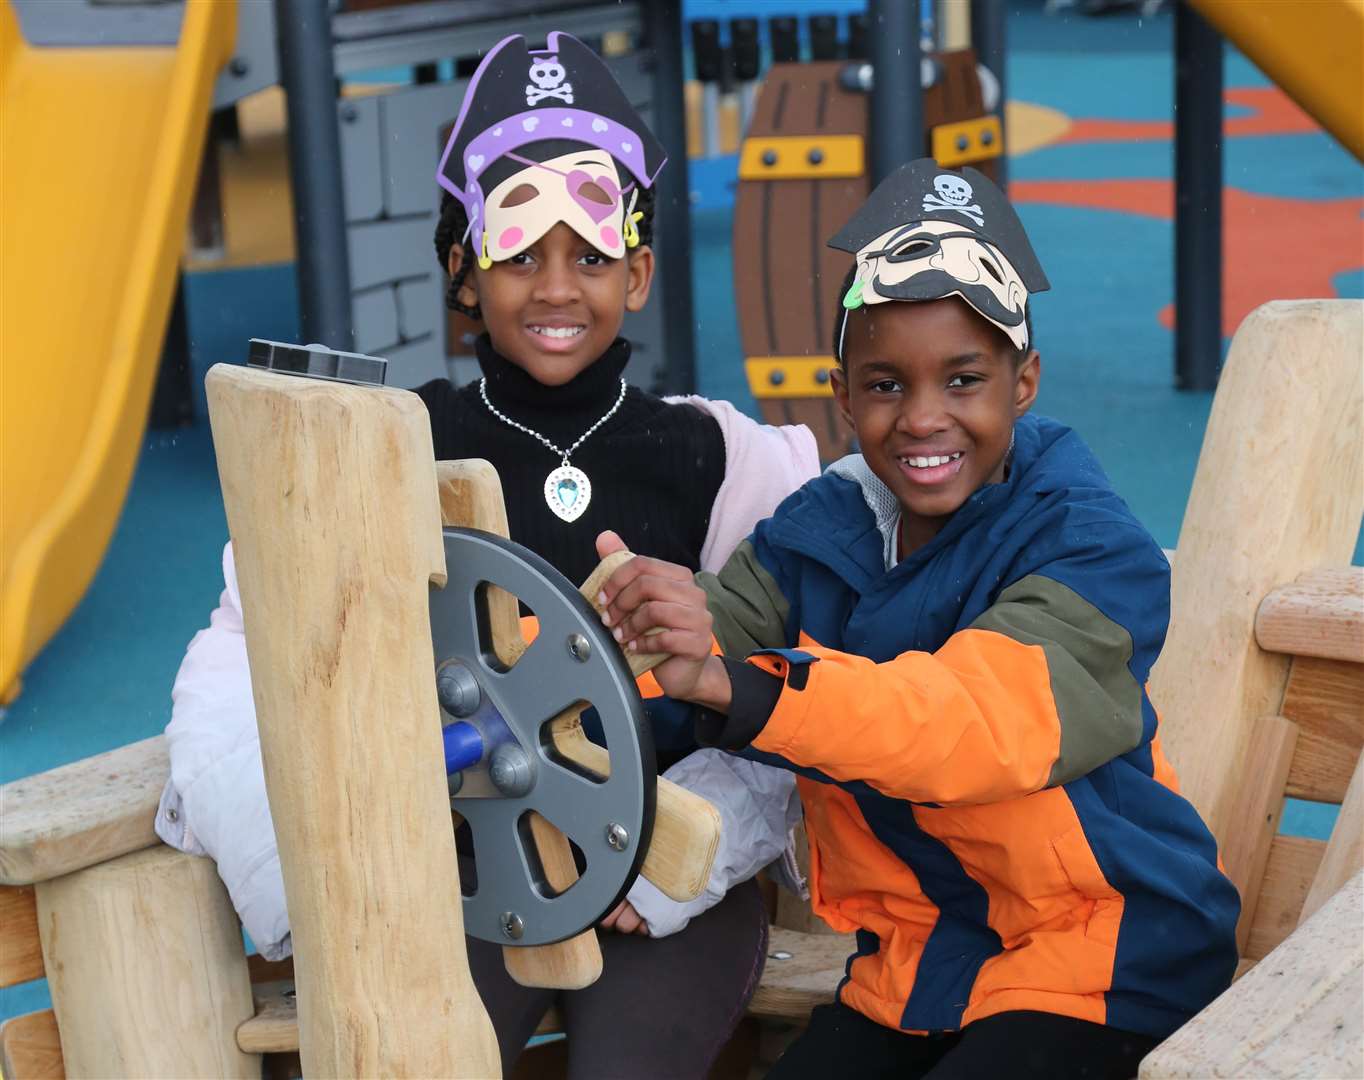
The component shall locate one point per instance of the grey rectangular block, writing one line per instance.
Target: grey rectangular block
(374, 316)
(361, 167)
(421, 309)
(415, 363)
(412, 120)
(383, 251)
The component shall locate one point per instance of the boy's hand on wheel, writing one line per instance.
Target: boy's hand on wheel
(652, 606)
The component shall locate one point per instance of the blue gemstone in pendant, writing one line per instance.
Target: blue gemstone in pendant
(567, 492)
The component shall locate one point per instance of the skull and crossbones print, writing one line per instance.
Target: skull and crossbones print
(953, 193)
(547, 77)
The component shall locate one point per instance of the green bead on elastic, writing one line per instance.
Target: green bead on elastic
(853, 297)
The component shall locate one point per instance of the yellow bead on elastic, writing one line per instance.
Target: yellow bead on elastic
(484, 261)
(631, 231)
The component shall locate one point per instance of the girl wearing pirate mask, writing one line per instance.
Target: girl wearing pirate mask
(545, 230)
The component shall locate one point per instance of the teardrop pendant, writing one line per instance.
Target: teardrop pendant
(567, 492)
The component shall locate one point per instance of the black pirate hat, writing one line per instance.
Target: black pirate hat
(928, 232)
(518, 96)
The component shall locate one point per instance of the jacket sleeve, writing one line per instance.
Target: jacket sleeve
(763, 465)
(758, 807)
(215, 803)
(1045, 686)
(748, 601)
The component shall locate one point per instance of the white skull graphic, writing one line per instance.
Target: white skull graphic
(547, 73)
(953, 189)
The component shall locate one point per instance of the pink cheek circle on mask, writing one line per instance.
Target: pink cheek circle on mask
(510, 237)
(609, 236)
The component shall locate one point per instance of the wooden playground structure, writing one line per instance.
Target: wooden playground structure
(1261, 689)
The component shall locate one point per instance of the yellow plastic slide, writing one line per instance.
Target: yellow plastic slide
(99, 151)
(1314, 50)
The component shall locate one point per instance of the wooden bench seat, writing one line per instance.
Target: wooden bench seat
(81, 814)
(803, 970)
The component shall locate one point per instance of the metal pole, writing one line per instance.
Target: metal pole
(672, 211)
(988, 39)
(897, 108)
(1198, 201)
(309, 78)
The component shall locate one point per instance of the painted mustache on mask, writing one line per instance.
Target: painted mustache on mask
(932, 284)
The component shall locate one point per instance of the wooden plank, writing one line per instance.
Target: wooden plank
(31, 1047)
(1344, 856)
(471, 496)
(1273, 496)
(1321, 769)
(1326, 697)
(331, 500)
(81, 814)
(1289, 870)
(568, 965)
(274, 1028)
(1297, 1013)
(1320, 614)
(802, 971)
(146, 968)
(1258, 805)
(21, 953)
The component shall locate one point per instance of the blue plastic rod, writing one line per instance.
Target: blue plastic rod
(463, 746)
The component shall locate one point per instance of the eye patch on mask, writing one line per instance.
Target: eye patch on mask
(582, 189)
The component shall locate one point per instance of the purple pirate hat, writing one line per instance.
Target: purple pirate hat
(520, 95)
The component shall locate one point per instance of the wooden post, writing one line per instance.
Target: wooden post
(331, 503)
(1279, 489)
(147, 970)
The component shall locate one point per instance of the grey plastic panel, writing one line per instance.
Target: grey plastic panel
(415, 363)
(632, 73)
(361, 158)
(420, 307)
(74, 23)
(374, 317)
(255, 60)
(419, 33)
(383, 251)
(412, 124)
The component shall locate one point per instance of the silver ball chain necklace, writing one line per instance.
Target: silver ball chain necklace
(567, 488)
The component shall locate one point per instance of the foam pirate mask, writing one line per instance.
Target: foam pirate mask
(561, 94)
(927, 233)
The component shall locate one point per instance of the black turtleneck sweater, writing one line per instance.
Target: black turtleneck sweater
(655, 468)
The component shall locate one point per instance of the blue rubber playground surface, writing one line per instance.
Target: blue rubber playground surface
(1097, 203)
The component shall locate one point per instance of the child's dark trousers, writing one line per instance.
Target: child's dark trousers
(1008, 1046)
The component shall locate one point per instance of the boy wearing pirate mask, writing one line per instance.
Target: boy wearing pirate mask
(948, 637)
(545, 228)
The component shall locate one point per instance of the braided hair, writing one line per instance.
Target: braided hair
(454, 222)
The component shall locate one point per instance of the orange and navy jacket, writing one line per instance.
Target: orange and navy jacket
(985, 795)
